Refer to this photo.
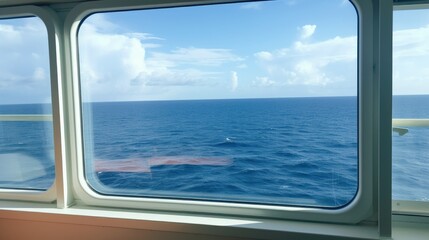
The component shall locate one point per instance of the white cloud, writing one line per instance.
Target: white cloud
(143, 36)
(242, 66)
(108, 62)
(410, 58)
(307, 31)
(309, 72)
(234, 81)
(264, 55)
(10, 34)
(411, 42)
(39, 74)
(197, 56)
(310, 64)
(24, 61)
(109, 57)
(333, 63)
(132, 66)
(121, 65)
(164, 77)
(101, 23)
(263, 82)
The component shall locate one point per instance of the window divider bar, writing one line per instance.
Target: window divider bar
(64, 196)
(385, 22)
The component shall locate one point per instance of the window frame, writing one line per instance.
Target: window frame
(50, 20)
(363, 207)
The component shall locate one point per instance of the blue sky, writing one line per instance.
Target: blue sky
(411, 52)
(248, 50)
(289, 48)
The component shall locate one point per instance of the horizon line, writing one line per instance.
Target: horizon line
(208, 99)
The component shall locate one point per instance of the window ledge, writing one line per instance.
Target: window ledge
(404, 227)
(220, 226)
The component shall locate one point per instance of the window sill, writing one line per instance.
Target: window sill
(193, 226)
(410, 227)
(216, 226)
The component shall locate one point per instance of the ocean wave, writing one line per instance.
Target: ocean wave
(288, 155)
(232, 143)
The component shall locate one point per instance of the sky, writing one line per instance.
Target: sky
(285, 48)
(24, 66)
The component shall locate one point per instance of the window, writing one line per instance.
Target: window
(178, 103)
(96, 171)
(410, 110)
(26, 133)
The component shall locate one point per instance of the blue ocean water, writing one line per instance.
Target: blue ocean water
(291, 151)
(299, 151)
(410, 152)
(26, 149)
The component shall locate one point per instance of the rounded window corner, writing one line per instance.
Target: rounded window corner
(358, 209)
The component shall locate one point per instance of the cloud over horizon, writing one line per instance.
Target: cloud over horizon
(309, 64)
(410, 57)
(119, 66)
(121, 63)
(24, 62)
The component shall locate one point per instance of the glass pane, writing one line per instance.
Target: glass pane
(26, 146)
(410, 141)
(251, 102)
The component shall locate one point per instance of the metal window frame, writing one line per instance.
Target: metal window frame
(50, 20)
(362, 208)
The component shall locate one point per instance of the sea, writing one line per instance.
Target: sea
(280, 151)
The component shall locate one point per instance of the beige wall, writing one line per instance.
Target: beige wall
(11, 229)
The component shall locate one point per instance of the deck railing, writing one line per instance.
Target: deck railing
(400, 125)
(25, 117)
(410, 122)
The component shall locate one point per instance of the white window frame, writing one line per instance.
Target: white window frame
(363, 207)
(375, 42)
(51, 23)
